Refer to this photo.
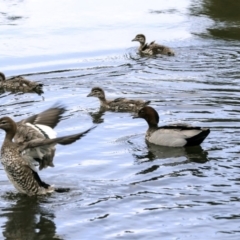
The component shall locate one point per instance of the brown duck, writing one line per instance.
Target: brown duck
(20, 170)
(20, 84)
(118, 104)
(152, 48)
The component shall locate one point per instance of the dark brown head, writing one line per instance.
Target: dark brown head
(96, 92)
(140, 38)
(150, 115)
(9, 126)
(2, 77)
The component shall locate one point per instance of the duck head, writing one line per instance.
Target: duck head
(140, 38)
(9, 126)
(96, 92)
(2, 77)
(150, 115)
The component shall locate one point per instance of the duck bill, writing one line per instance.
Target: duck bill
(89, 95)
(134, 40)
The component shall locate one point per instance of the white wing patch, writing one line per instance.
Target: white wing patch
(47, 130)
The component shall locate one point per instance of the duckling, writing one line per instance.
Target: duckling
(175, 135)
(21, 173)
(152, 48)
(118, 104)
(20, 84)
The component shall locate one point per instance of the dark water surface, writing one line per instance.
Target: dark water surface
(120, 188)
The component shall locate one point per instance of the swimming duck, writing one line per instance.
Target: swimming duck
(40, 126)
(175, 135)
(21, 173)
(152, 48)
(20, 84)
(118, 104)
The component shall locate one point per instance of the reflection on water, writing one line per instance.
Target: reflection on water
(225, 14)
(194, 154)
(27, 220)
(97, 117)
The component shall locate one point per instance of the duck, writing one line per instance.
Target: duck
(152, 48)
(20, 84)
(20, 172)
(174, 135)
(118, 104)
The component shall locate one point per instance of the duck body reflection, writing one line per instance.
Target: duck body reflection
(193, 153)
(27, 220)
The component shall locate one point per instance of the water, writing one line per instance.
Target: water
(121, 188)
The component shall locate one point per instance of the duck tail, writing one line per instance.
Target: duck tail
(199, 138)
(147, 103)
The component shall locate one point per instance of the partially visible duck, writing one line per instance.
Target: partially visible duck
(21, 173)
(152, 48)
(176, 135)
(37, 127)
(20, 84)
(118, 104)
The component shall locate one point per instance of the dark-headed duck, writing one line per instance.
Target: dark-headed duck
(175, 135)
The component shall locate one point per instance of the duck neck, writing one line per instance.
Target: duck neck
(152, 126)
(9, 136)
(103, 101)
(10, 133)
(142, 45)
(2, 77)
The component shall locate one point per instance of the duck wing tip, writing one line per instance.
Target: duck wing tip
(50, 117)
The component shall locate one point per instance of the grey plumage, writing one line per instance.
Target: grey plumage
(118, 104)
(152, 48)
(20, 84)
(175, 135)
(19, 171)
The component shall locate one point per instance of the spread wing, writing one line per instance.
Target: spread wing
(60, 140)
(50, 117)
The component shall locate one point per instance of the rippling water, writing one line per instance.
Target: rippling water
(121, 188)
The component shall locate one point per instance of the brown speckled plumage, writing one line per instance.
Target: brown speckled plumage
(118, 104)
(20, 84)
(152, 48)
(19, 171)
